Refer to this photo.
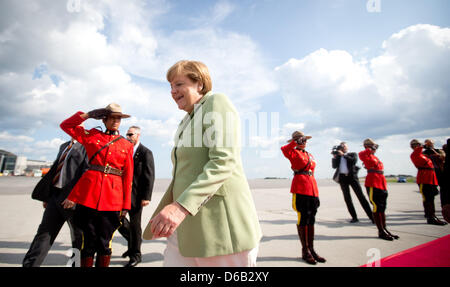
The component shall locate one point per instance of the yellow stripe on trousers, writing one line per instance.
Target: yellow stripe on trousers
(421, 192)
(294, 204)
(371, 200)
(110, 242)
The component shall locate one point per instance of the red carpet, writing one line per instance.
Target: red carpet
(435, 253)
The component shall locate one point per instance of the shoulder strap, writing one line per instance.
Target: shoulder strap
(307, 165)
(114, 140)
(309, 162)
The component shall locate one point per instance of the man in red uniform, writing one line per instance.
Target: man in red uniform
(305, 194)
(376, 187)
(427, 181)
(103, 193)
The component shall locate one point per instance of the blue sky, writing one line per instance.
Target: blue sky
(330, 68)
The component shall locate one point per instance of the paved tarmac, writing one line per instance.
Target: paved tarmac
(343, 244)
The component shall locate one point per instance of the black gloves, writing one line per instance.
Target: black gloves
(301, 140)
(99, 114)
(123, 213)
(373, 147)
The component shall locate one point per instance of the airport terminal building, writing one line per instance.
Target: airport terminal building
(11, 164)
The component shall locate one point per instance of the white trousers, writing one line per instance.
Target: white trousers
(173, 258)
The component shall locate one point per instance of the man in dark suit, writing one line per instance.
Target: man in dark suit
(52, 190)
(347, 175)
(143, 179)
(445, 191)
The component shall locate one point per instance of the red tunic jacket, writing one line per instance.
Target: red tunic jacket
(301, 183)
(426, 173)
(371, 162)
(95, 189)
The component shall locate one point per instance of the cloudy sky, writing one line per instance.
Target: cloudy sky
(338, 70)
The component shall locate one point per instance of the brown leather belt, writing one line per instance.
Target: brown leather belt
(426, 168)
(106, 169)
(308, 172)
(375, 171)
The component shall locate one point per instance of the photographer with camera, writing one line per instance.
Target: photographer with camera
(305, 194)
(376, 187)
(427, 181)
(347, 175)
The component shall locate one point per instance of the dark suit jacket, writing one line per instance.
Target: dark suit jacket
(445, 191)
(353, 169)
(143, 177)
(76, 165)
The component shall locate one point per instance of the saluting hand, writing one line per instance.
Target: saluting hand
(99, 114)
(165, 223)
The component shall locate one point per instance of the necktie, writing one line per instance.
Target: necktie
(61, 163)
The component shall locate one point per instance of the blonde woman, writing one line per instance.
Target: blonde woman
(207, 213)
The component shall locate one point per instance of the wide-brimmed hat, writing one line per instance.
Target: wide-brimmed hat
(369, 141)
(298, 134)
(116, 110)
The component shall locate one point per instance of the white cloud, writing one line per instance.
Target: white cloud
(403, 89)
(214, 15)
(50, 145)
(99, 53)
(7, 137)
(116, 51)
(221, 11)
(289, 128)
(234, 61)
(163, 130)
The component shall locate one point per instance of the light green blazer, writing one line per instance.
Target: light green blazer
(209, 181)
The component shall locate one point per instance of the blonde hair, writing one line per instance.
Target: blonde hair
(194, 70)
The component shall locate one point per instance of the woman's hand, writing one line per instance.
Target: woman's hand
(165, 223)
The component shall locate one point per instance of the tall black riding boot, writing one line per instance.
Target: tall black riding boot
(306, 254)
(377, 217)
(311, 244)
(102, 260)
(383, 221)
(87, 261)
(430, 214)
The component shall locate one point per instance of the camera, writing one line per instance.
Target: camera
(335, 150)
(428, 148)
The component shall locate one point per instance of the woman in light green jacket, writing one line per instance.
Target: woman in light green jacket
(207, 213)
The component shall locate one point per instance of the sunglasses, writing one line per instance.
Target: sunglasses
(130, 134)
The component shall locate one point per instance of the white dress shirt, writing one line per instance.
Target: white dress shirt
(343, 166)
(135, 148)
